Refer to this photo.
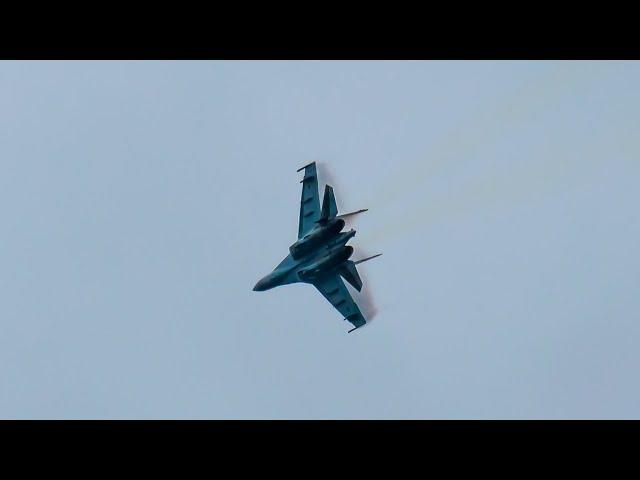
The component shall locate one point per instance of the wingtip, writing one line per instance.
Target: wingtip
(307, 165)
(357, 320)
(355, 328)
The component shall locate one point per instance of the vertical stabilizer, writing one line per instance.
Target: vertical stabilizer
(329, 207)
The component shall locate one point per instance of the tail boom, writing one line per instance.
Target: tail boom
(365, 259)
(352, 213)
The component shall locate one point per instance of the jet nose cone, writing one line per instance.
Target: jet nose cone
(267, 282)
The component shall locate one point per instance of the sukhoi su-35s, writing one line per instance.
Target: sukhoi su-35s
(321, 256)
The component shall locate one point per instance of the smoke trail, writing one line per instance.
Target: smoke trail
(460, 144)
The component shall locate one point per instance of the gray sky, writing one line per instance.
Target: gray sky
(141, 201)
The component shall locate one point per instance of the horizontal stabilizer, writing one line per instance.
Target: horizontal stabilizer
(352, 213)
(365, 259)
(349, 272)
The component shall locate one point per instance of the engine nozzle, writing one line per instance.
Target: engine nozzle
(329, 262)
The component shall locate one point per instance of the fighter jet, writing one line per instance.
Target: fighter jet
(320, 256)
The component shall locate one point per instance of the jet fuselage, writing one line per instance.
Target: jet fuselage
(321, 234)
(326, 255)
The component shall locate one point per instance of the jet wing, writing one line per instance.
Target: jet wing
(333, 289)
(310, 200)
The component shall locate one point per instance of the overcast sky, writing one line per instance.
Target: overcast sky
(141, 201)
